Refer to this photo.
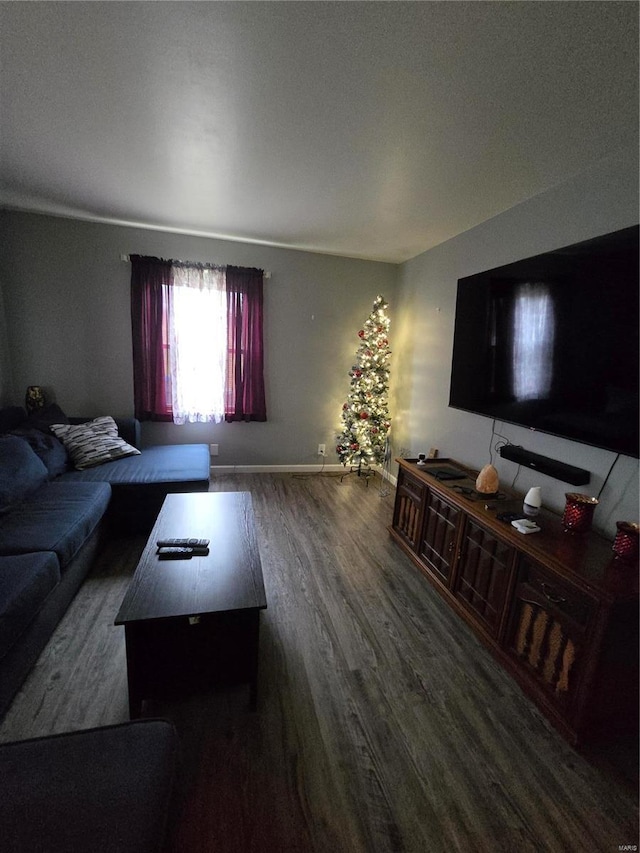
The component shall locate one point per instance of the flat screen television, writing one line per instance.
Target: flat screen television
(551, 343)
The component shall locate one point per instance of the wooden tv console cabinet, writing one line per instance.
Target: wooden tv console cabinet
(555, 609)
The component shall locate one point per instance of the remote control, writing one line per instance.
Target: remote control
(182, 543)
(523, 525)
(172, 553)
(510, 516)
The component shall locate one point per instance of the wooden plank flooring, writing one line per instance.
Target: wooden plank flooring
(383, 725)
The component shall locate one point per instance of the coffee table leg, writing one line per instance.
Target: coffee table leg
(253, 669)
(135, 699)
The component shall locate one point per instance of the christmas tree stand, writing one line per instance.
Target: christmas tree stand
(361, 470)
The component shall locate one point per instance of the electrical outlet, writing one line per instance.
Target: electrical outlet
(322, 450)
(213, 449)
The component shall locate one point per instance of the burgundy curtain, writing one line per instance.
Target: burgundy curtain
(245, 397)
(150, 282)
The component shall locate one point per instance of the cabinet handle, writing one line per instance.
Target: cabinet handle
(554, 599)
(451, 546)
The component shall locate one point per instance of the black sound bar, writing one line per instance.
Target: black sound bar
(550, 467)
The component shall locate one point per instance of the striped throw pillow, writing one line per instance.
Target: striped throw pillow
(93, 443)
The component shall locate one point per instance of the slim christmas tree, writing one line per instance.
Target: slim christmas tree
(365, 415)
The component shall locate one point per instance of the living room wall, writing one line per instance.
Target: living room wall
(5, 365)
(600, 201)
(66, 309)
(67, 327)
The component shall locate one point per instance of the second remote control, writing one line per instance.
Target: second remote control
(171, 553)
(182, 543)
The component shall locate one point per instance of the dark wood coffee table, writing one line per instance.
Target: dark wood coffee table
(194, 623)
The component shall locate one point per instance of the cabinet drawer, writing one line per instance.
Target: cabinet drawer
(412, 488)
(440, 528)
(549, 633)
(485, 563)
(557, 594)
(407, 517)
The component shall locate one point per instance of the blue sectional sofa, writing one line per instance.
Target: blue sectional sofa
(139, 484)
(53, 519)
(103, 790)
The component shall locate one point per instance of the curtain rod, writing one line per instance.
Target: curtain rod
(125, 258)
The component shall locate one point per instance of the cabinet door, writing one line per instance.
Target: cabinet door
(547, 629)
(407, 514)
(482, 579)
(439, 533)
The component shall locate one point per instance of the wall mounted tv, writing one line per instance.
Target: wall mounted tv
(551, 343)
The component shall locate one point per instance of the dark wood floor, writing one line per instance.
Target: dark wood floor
(383, 725)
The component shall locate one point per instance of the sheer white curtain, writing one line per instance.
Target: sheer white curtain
(198, 336)
(533, 338)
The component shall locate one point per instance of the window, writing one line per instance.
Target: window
(533, 339)
(197, 341)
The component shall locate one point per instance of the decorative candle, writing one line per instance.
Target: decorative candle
(578, 512)
(625, 545)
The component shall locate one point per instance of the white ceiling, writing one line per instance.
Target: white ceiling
(373, 130)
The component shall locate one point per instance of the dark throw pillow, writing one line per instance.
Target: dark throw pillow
(21, 470)
(50, 449)
(42, 419)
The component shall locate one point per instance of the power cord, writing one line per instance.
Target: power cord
(513, 482)
(305, 475)
(608, 475)
(498, 444)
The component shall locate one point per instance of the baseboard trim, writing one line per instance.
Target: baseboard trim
(293, 469)
(275, 469)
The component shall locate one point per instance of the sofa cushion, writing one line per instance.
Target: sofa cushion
(21, 471)
(58, 517)
(25, 582)
(93, 443)
(99, 790)
(176, 464)
(48, 448)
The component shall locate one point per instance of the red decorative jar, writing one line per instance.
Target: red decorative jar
(625, 545)
(578, 512)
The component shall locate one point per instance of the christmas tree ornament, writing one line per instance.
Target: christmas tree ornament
(365, 416)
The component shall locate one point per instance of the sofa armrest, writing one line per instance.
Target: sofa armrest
(129, 429)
